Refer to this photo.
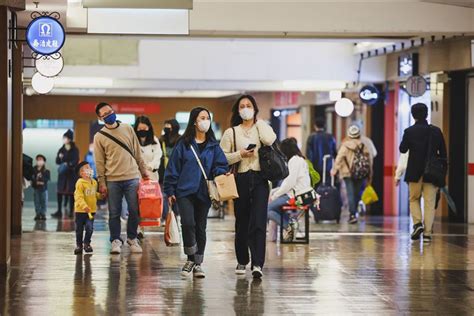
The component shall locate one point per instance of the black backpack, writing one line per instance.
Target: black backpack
(28, 170)
(436, 167)
(273, 164)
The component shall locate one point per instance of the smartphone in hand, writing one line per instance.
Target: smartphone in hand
(251, 147)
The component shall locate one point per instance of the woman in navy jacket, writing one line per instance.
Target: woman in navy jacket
(185, 184)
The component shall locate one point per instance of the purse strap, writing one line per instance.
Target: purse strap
(235, 166)
(199, 162)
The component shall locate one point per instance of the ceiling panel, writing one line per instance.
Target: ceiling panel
(465, 3)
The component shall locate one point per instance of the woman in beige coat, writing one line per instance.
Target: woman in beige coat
(354, 173)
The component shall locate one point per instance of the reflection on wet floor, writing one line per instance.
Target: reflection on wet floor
(370, 268)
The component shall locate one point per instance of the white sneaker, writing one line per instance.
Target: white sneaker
(116, 247)
(187, 269)
(134, 245)
(257, 272)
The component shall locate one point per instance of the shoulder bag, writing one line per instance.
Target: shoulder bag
(273, 164)
(435, 167)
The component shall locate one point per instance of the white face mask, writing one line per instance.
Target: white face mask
(89, 173)
(204, 126)
(40, 163)
(247, 114)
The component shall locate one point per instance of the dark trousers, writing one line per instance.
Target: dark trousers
(193, 226)
(353, 188)
(251, 218)
(83, 222)
(67, 198)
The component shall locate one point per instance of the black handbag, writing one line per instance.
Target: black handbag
(273, 164)
(307, 198)
(436, 167)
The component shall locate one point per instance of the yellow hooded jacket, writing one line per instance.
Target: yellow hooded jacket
(86, 195)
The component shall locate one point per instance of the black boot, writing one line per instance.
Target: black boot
(58, 214)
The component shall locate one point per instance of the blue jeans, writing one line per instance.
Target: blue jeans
(117, 190)
(274, 210)
(353, 188)
(83, 222)
(41, 199)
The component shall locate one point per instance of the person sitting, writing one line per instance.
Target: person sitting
(297, 182)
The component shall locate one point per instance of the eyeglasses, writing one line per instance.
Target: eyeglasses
(106, 114)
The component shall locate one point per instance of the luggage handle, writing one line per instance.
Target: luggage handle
(325, 158)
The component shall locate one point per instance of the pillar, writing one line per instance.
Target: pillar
(17, 144)
(5, 138)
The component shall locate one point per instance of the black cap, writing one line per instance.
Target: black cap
(79, 166)
(41, 156)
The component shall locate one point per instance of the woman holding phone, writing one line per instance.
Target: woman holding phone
(241, 144)
(185, 184)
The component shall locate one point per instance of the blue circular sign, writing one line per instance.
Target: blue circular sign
(369, 94)
(45, 35)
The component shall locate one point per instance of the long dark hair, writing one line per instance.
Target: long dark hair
(190, 132)
(174, 134)
(236, 119)
(150, 138)
(289, 147)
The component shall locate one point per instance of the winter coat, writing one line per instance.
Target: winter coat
(183, 176)
(345, 156)
(66, 175)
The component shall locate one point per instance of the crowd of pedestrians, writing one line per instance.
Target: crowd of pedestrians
(122, 155)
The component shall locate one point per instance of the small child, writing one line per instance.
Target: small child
(39, 181)
(85, 206)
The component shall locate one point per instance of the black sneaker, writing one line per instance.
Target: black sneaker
(257, 272)
(58, 214)
(352, 219)
(140, 236)
(240, 269)
(88, 249)
(42, 217)
(187, 269)
(198, 272)
(417, 231)
(37, 217)
(426, 239)
(78, 250)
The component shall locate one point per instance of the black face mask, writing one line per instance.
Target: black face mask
(142, 134)
(167, 130)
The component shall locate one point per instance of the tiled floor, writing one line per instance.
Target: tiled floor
(370, 268)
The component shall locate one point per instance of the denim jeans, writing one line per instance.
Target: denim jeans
(251, 209)
(41, 199)
(83, 222)
(117, 190)
(353, 188)
(193, 226)
(274, 210)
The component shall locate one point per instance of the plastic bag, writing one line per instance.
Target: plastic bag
(369, 196)
(172, 236)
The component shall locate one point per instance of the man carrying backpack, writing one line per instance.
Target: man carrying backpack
(320, 144)
(354, 166)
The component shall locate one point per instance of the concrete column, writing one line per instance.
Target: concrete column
(17, 144)
(5, 138)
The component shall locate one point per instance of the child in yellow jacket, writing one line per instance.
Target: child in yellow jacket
(85, 206)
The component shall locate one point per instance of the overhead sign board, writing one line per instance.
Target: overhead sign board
(408, 65)
(369, 94)
(45, 35)
(416, 86)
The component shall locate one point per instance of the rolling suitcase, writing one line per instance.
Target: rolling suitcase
(330, 200)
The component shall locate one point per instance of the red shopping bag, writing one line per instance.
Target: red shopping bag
(150, 202)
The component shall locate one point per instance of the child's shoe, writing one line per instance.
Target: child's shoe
(88, 249)
(78, 250)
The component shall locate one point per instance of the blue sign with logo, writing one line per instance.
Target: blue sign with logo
(45, 35)
(369, 94)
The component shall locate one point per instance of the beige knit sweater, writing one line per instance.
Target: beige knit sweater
(261, 132)
(113, 162)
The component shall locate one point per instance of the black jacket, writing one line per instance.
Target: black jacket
(415, 139)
